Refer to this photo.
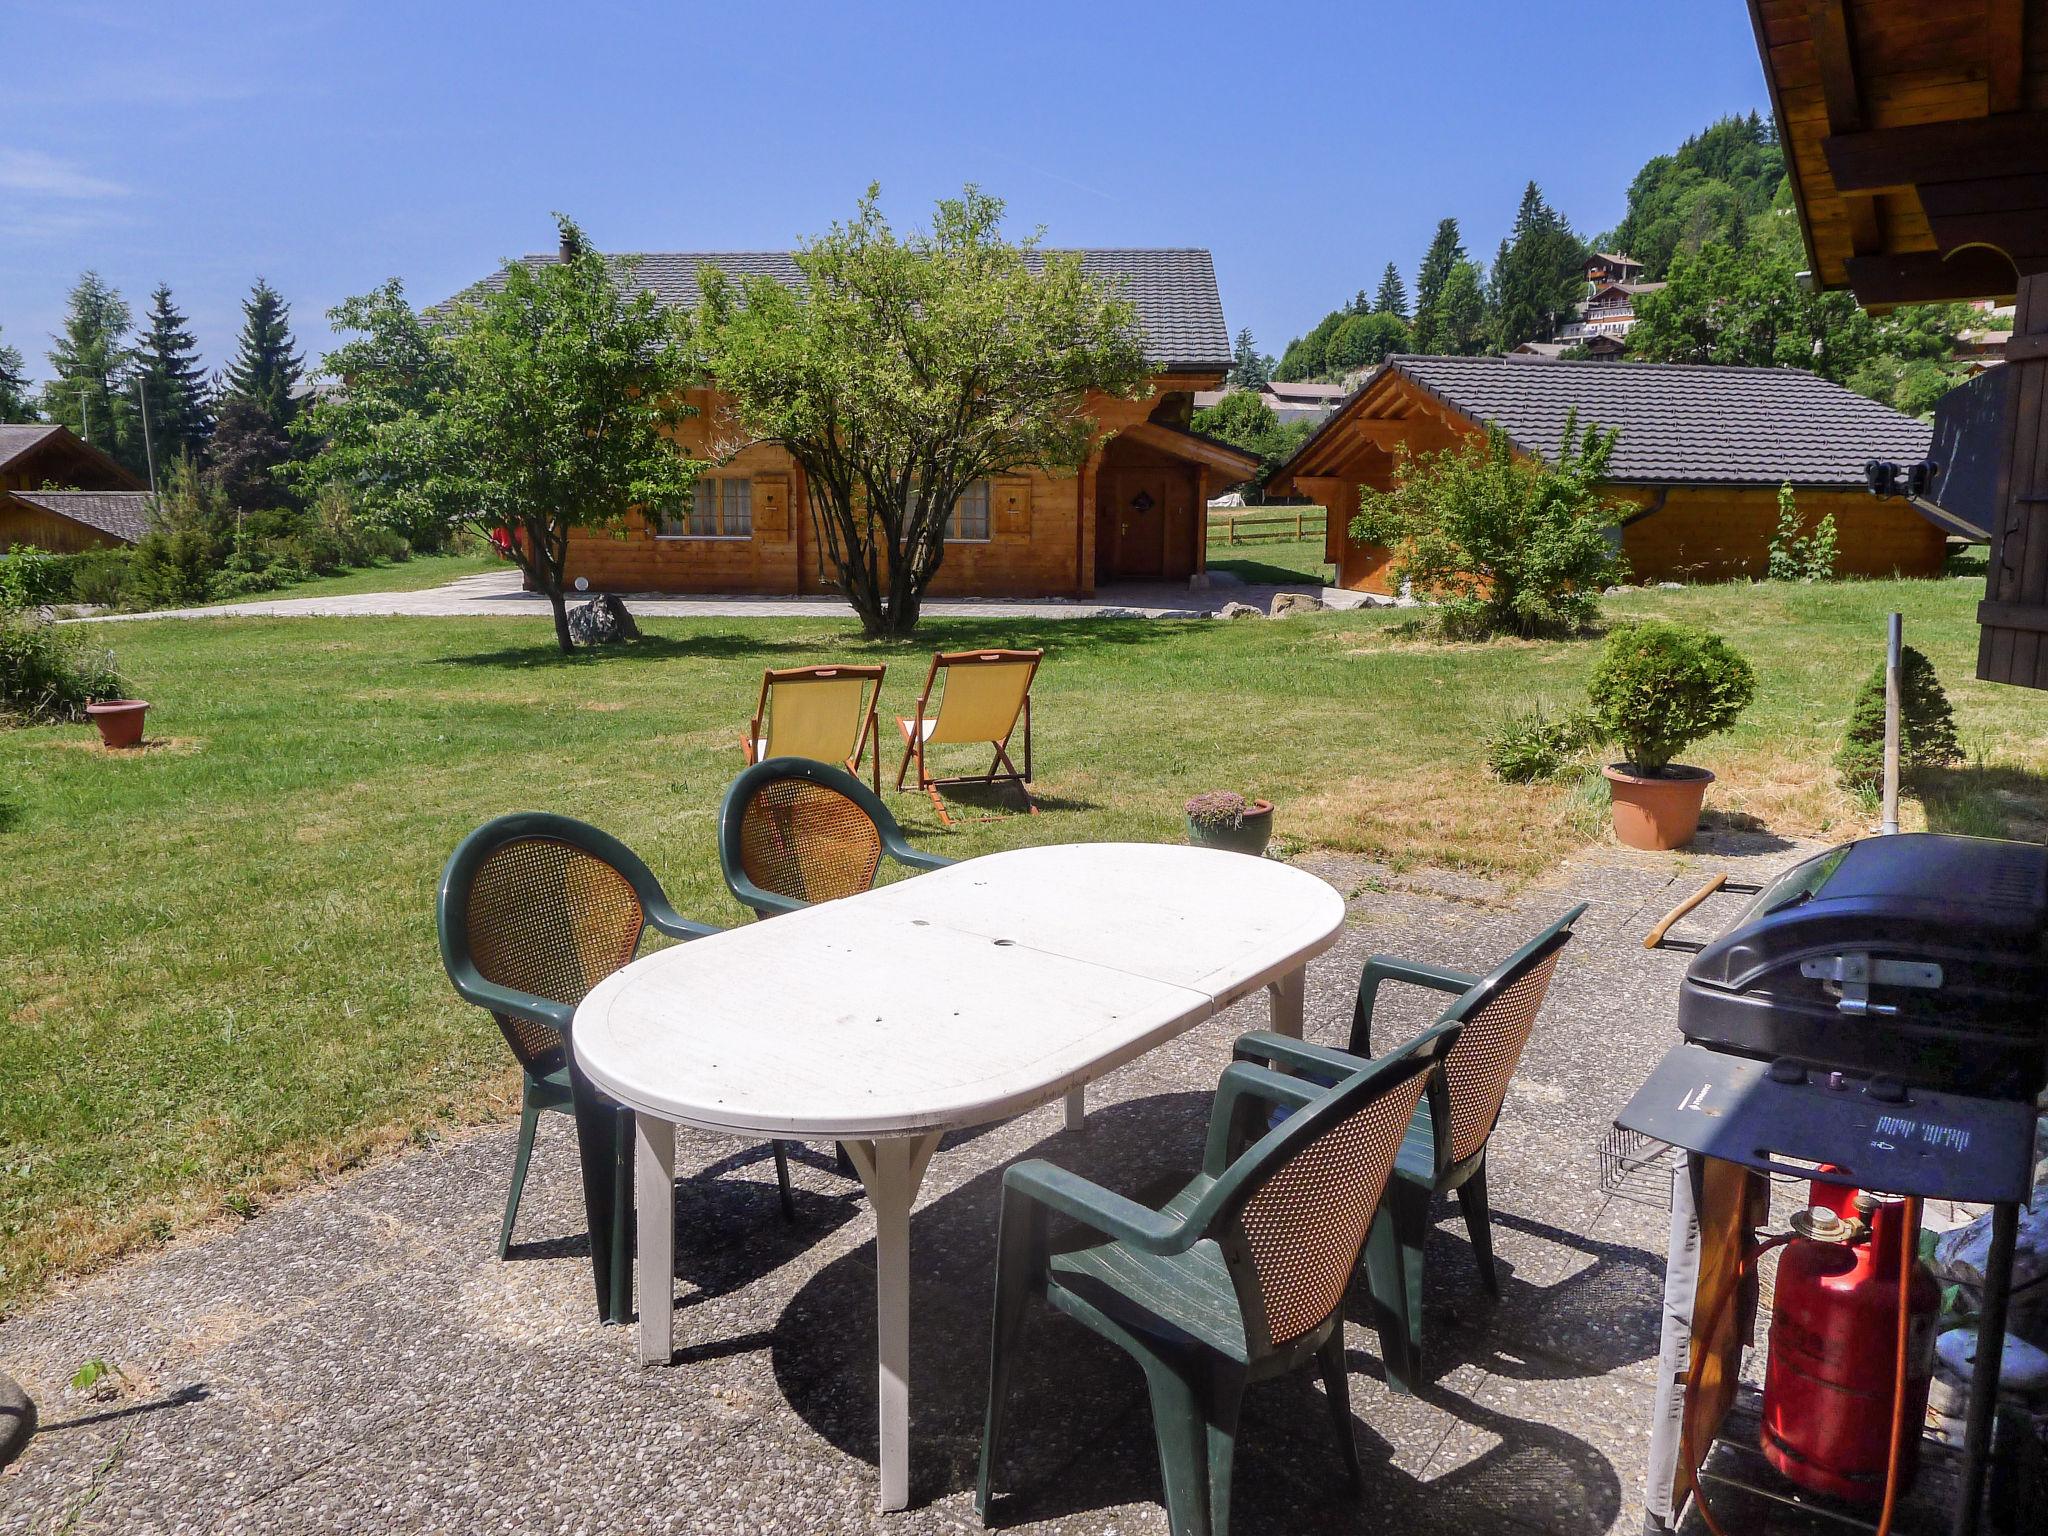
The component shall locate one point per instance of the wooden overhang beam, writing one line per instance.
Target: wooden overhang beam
(1834, 54)
(2005, 57)
(1195, 448)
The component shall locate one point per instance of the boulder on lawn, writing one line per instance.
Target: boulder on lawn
(1285, 603)
(604, 620)
(1238, 611)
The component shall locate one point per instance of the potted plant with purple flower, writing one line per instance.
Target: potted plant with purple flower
(1223, 819)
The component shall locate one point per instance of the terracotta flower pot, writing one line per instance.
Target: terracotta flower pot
(119, 720)
(1661, 812)
(1250, 835)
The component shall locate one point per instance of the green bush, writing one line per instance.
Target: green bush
(1796, 555)
(172, 567)
(49, 673)
(29, 577)
(1927, 725)
(99, 576)
(1658, 688)
(1505, 542)
(1529, 749)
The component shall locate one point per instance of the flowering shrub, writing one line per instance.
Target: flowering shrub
(1218, 809)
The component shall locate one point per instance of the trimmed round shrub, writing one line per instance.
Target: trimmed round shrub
(1927, 725)
(1658, 688)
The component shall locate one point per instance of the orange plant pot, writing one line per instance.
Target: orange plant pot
(1660, 813)
(119, 720)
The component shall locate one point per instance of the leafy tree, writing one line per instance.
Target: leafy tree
(92, 363)
(265, 367)
(1308, 357)
(16, 399)
(906, 369)
(1538, 276)
(1706, 192)
(1459, 318)
(1246, 421)
(1795, 554)
(391, 382)
(1249, 368)
(554, 403)
(1445, 254)
(167, 362)
(1392, 298)
(1364, 340)
(1506, 542)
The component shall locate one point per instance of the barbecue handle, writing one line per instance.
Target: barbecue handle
(1656, 934)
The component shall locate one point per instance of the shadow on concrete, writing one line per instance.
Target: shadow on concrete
(1080, 1438)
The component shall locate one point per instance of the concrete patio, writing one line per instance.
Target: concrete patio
(358, 1359)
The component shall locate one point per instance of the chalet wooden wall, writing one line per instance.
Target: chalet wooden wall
(1042, 526)
(21, 524)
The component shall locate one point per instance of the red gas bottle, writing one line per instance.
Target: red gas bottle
(1828, 1381)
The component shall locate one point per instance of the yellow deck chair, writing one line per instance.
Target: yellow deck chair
(826, 714)
(986, 694)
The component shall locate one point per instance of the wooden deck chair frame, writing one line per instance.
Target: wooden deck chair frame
(869, 743)
(916, 737)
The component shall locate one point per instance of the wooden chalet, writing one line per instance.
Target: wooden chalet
(1137, 511)
(1604, 267)
(1702, 452)
(62, 494)
(1916, 136)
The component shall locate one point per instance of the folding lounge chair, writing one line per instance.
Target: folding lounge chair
(826, 714)
(986, 694)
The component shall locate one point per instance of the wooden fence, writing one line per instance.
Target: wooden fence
(1266, 525)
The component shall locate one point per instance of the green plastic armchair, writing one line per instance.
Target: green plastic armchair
(534, 911)
(793, 832)
(1239, 1277)
(1498, 1011)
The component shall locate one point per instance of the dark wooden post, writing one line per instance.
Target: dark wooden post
(2013, 642)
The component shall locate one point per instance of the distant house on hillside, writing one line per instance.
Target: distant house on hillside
(1134, 512)
(64, 495)
(1702, 453)
(1289, 400)
(1609, 311)
(1600, 348)
(1604, 267)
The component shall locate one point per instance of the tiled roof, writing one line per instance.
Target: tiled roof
(1680, 423)
(16, 438)
(1174, 291)
(124, 514)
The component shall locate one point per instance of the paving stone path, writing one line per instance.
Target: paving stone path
(496, 594)
(358, 1359)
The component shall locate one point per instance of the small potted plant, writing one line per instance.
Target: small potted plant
(1657, 689)
(1221, 819)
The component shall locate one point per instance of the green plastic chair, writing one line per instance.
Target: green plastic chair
(793, 832)
(534, 910)
(1239, 1277)
(1498, 1011)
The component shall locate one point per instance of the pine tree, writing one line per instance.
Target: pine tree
(265, 367)
(167, 361)
(15, 401)
(93, 364)
(1392, 299)
(1446, 252)
(1537, 276)
(1249, 368)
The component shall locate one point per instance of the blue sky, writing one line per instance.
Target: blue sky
(329, 146)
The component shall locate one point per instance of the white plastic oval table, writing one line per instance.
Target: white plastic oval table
(958, 998)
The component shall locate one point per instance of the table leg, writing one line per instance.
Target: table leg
(892, 1170)
(1286, 997)
(1077, 1106)
(654, 1168)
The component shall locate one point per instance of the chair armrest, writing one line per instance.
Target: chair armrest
(1240, 1081)
(903, 853)
(665, 919)
(1382, 968)
(1323, 1064)
(762, 903)
(1103, 1210)
(520, 1005)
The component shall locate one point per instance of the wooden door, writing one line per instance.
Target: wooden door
(1132, 528)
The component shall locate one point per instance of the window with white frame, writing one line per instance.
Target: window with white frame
(721, 507)
(968, 522)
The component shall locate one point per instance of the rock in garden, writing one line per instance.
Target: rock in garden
(604, 620)
(1285, 603)
(1238, 611)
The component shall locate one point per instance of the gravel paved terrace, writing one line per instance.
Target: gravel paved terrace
(358, 1359)
(498, 593)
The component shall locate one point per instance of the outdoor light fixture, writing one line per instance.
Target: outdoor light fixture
(1909, 480)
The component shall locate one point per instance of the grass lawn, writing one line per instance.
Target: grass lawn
(218, 964)
(1291, 560)
(414, 575)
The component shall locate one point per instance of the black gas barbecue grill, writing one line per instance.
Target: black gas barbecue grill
(1881, 1009)
(1917, 959)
